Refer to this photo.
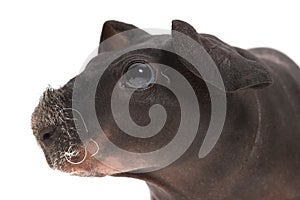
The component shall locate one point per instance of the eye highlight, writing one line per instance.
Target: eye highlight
(139, 75)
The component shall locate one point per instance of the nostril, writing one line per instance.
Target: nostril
(46, 136)
(46, 133)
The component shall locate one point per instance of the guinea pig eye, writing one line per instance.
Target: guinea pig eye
(139, 75)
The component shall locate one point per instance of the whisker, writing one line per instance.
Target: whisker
(71, 154)
(96, 146)
(73, 109)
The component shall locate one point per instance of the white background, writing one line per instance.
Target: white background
(45, 43)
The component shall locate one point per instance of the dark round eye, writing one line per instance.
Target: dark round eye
(139, 75)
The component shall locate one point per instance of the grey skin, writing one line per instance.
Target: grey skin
(257, 156)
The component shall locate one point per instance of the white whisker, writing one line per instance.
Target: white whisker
(96, 146)
(73, 109)
(70, 154)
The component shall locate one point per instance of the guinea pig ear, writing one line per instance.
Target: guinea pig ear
(239, 68)
(113, 28)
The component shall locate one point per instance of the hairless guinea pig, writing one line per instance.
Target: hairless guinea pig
(194, 117)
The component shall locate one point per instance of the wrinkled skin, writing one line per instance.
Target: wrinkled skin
(256, 157)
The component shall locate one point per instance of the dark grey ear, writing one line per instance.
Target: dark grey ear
(113, 28)
(239, 68)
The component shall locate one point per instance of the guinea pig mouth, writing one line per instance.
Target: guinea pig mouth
(62, 146)
(75, 154)
(80, 162)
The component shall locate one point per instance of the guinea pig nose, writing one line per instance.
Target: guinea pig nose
(47, 133)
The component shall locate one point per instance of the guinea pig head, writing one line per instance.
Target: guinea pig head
(126, 88)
